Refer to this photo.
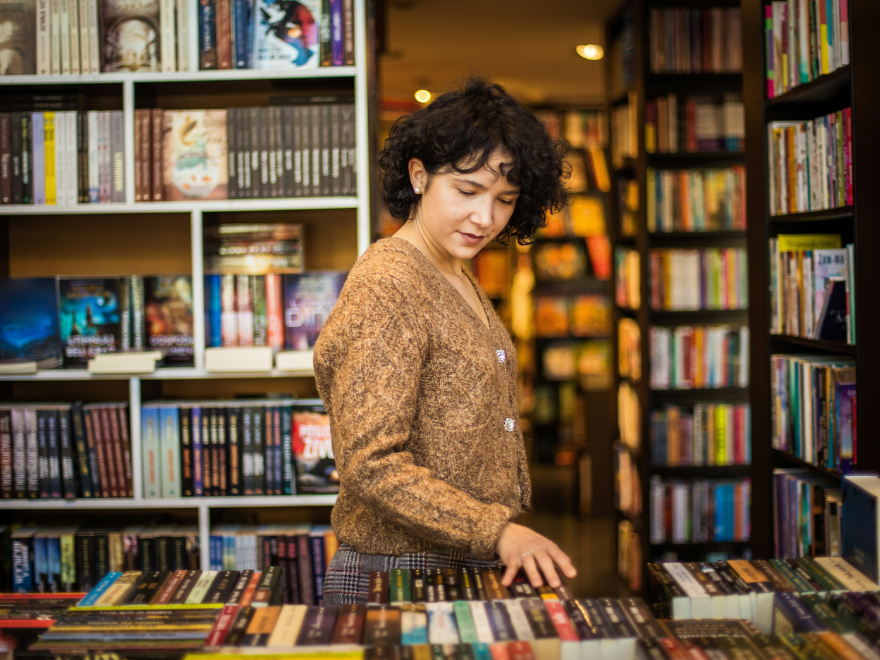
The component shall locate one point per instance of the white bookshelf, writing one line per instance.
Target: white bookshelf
(359, 204)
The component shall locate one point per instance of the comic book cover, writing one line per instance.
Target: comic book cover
(286, 34)
(89, 318)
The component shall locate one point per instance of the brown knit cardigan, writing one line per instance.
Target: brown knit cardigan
(423, 410)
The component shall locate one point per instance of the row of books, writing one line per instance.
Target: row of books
(269, 310)
(624, 132)
(628, 206)
(764, 592)
(627, 289)
(48, 321)
(70, 558)
(694, 124)
(302, 552)
(708, 278)
(54, 451)
(629, 349)
(585, 315)
(627, 486)
(699, 357)
(580, 128)
(811, 163)
(691, 40)
(699, 511)
(253, 248)
(804, 40)
(629, 416)
(584, 216)
(587, 362)
(813, 409)
(629, 556)
(301, 146)
(62, 157)
(90, 36)
(812, 287)
(806, 514)
(236, 448)
(696, 199)
(706, 435)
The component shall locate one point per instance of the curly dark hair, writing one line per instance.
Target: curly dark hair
(460, 130)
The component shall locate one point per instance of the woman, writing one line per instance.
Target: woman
(416, 370)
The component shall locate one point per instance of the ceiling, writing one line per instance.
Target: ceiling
(526, 46)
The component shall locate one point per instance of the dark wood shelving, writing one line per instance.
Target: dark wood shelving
(839, 213)
(701, 471)
(739, 394)
(696, 239)
(783, 457)
(824, 88)
(694, 158)
(697, 548)
(698, 316)
(817, 344)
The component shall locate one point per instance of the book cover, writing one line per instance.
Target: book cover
(168, 315)
(89, 318)
(860, 524)
(308, 299)
(29, 328)
(286, 34)
(18, 37)
(194, 151)
(312, 448)
(130, 35)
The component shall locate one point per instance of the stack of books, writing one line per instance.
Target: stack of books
(706, 434)
(709, 124)
(696, 199)
(693, 40)
(699, 357)
(699, 511)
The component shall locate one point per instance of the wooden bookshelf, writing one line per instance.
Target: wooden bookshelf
(851, 86)
(167, 238)
(646, 86)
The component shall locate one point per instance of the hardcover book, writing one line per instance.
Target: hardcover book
(18, 37)
(195, 155)
(313, 451)
(130, 35)
(29, 320)
(286, 34)
(168, 314)
(89, 318)
(860, 524)
(308, 299)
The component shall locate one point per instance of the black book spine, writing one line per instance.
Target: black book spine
(82, 156)
(222, 453)
(239, 626)
(274, 166)
(326, 181)
(147, 553)
(287, 479)
(287, 146)
(222, 587)
(84, 471)
(335, 149)
(296, 119)
(247, 450)
(186, 586)
(5, 159)
(54, 440)
(186, 457)
(215, 453)
(43, 455)
(7, 480)
(150, 585)
(207, 453)
(254, 132)
(263, 137)
(244, 153)
(98, 486)
(258, 430)
(352, 150)
(278, 131)
(276, 449)
(102, 555)
(244, 579)
(232, 148)
(268, 449)
(85, 561)
(164, 553)
(179, 558)
(27, 162)
(69, 464)
(292, 573)
(15, 153)
(315, 128)
(233, 454)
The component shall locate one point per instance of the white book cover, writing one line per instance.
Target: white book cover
(286, 34)
(201, 587)
(84, 38)
(481, 622)
(441, 623)
(55, 26)
(61, 157)
(170, 457)
(73, 19)
(168, 46)
(64, 21)
(93, 156)
(519, 620)
(94, 38)
(150, 452)
(72, 178)
(183, 35)
(44, 38)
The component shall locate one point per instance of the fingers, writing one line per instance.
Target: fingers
(530, 566)
(549, 570)
(563, 562)
(510, 573)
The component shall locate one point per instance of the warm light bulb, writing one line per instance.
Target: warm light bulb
(590, 52)
(423, 96)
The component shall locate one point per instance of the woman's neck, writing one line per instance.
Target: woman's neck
(414, 233)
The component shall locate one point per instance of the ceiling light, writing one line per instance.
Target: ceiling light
(590, 52)
(423, 96)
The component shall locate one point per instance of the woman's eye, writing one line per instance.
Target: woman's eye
(466, 193)
(506, 201)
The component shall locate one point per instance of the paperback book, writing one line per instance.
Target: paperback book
(89, 318)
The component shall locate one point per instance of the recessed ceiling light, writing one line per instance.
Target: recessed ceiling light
(590, 51)
(423, 96)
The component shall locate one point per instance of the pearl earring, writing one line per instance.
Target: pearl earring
(418, 191)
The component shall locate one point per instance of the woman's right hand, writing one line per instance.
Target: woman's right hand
(519, 546)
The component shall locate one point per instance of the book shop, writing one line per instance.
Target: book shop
(439, 330)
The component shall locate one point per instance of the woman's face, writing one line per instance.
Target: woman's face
(462, 213)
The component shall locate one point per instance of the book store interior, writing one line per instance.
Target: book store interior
(228, 230)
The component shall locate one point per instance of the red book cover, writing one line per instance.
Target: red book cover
(110, 428)
(499, 651)
(167, 592)
(274, 311)
(560, 620)
(93, 432)
(349, 627)
(248, 595)
(221, 627)
(520, 651)
(156, 154)
(223, 15)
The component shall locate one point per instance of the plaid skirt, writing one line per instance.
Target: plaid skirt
(347, 581)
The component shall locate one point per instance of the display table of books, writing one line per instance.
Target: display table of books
(820, 609)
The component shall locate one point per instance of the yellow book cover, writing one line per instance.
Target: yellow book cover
(600, 169)
(49, 160)
(798, 242)
(823, 39)
(710, 433)
(720, 436)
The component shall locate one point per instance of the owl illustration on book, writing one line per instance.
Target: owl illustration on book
(294, 24)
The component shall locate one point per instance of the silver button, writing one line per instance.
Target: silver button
(509, 424)
(502, 356)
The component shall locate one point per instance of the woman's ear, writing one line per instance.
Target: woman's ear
(418, 175)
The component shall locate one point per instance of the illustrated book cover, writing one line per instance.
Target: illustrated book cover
(89, 318)
(195, 155)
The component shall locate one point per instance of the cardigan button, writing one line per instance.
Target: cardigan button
(502, 356)
(509, 424)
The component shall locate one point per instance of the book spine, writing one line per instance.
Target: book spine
(32, 455)
(224, 34)
(53, 454)
(5, 159)
(105, 173)
(232, 144)
(197, 450)
(337, 56)
(95, 62)
(120, 413)
(73, 17)
(348, 32)
(49, 158)
(15, 157)
(263, 136)
(156, 155)
(304, 567)
(82, 155)
(315, 144)
(7, 483)
(55, 36)
(27, 172)
(229, 312)
(207, 453)
(117, 147)
(64, 29)
(207, 36)
(141, 157)
(106, 463)
(183, 34)
(222, 453)
(43, 453)
(167, 45)
(170, 461)
(287, 480)
(44, 39)
(94, 159)
(335, 150)
(259, 451)
(150, 449)
(241, 37)
(234, 458)
(325, 35)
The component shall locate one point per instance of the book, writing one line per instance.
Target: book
(168, 314)
(89, 316)
(194, 155)
(308, 299)
(29, 325)
(860, 524)
(312, 449)
(18, 41)
(131, 35)
(286, 34)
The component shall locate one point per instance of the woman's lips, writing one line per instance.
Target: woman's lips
(473, 239)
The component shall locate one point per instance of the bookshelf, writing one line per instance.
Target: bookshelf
(848, 86)
(633, 83)
(168, 237)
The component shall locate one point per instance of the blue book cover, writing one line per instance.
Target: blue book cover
(308, 300)
(481, 651)
(151, 449)
(316, 535)
(23, 562)
(41, 564)
(337, 56)
(102, 586)
(216, 549)
(790, 615)
(197, 448)
(53, 558)
(286, 34)
(29, 320)
(499, 621)
(723, 512)
(242, 16)
(90, 318)
(859, 526)
(213, 308)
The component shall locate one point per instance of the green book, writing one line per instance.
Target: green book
(826, 581)
(467, 631)
(399, 586)
(799, 583)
